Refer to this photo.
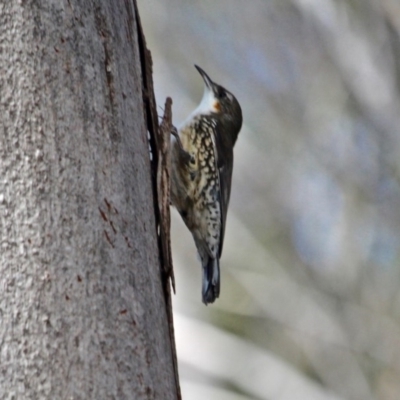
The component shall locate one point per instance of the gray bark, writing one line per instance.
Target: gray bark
(82, 306)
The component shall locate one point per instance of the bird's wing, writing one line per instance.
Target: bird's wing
(224, 165)
(225, 177)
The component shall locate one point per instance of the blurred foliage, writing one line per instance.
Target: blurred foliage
(310, 300)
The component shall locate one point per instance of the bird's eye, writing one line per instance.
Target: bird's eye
(222, 93)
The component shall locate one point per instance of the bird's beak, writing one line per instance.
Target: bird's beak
(207, 80)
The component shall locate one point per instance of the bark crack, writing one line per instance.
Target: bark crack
(159, 139)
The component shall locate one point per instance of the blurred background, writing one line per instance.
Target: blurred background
(310, 300)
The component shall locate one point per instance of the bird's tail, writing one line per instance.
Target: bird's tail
(211, 280)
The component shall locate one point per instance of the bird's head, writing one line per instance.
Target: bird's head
(222, 104)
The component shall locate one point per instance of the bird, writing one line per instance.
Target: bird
(201, 175)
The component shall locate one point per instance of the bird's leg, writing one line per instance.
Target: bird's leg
(185, 156)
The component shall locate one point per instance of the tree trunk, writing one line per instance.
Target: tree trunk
(83, 309)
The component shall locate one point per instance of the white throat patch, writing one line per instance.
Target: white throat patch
(206, 106)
